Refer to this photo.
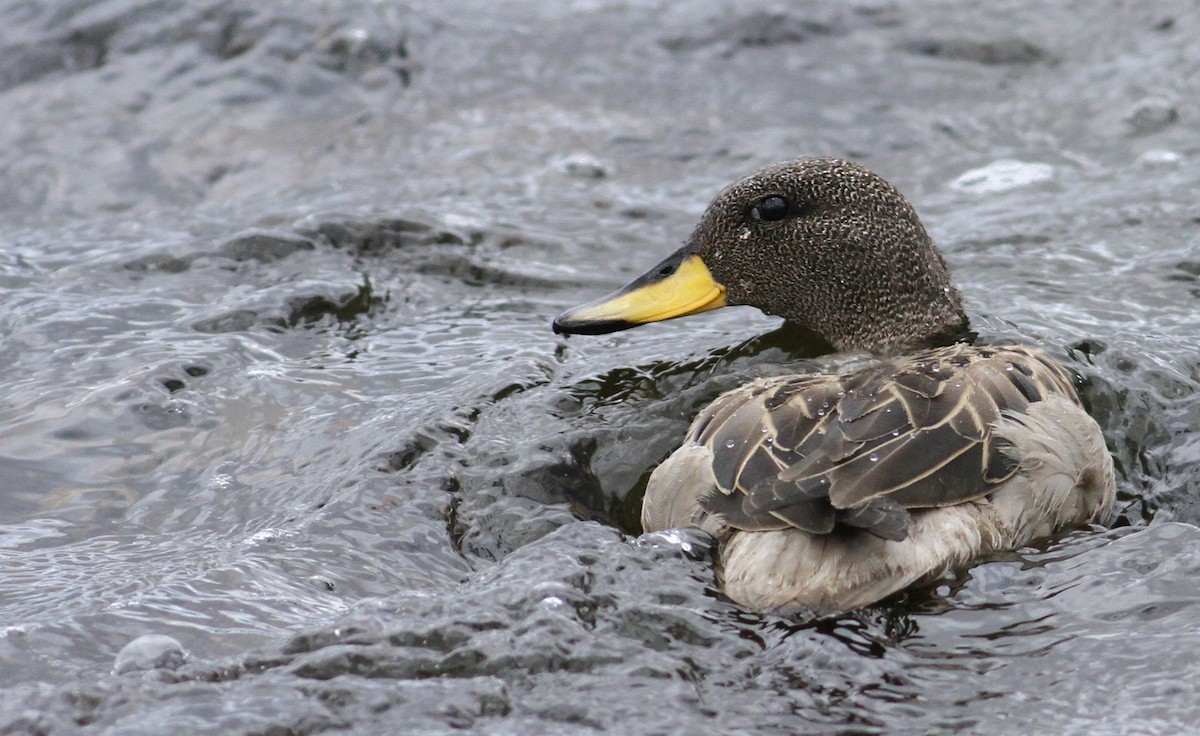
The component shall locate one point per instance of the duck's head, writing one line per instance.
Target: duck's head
(823, 243)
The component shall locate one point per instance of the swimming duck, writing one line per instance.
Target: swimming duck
(830, 492)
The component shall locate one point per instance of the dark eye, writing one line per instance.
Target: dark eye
(771, 209)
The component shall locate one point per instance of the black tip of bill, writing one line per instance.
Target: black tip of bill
(567, 324)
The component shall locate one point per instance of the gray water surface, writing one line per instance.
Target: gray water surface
(287, 444)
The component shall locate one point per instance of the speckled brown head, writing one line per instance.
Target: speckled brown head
(823, 243)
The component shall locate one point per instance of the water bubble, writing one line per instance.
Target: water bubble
(873, 457)
(150, 652)
(553, 603)
(1008, 366)
(730, 444)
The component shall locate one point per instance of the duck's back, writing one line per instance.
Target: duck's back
(884, 475)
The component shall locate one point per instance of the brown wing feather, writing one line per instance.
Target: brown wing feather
(813, 452)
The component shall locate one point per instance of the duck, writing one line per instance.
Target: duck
(829, 492)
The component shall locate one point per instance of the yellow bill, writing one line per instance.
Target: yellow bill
(678, 286)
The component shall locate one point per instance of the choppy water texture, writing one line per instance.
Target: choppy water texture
(280, 393)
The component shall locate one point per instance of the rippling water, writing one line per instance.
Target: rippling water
(279, 382)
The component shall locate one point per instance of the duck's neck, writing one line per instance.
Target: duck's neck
(899, 296)
(897, 344)
(908, 314)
